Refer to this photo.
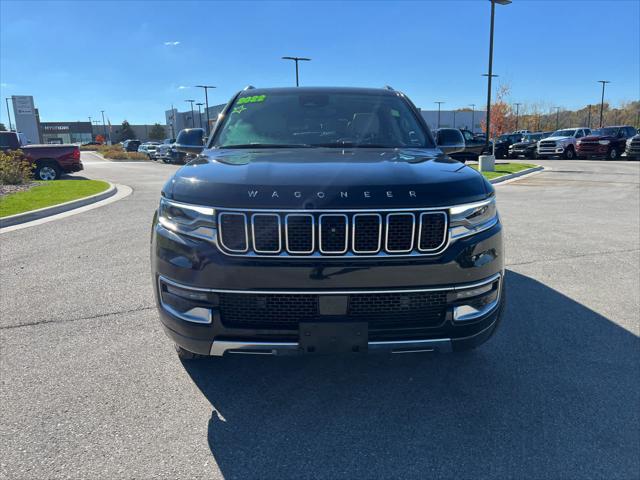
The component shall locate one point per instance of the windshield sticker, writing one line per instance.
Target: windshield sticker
(239, 109)
(254, 99)
(395, 113)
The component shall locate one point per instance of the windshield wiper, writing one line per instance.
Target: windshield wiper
(268, 145)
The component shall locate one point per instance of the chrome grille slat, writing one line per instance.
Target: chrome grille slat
(333, 233)
(334, 237)
(239, 237)
(264, 234)
(399, 232)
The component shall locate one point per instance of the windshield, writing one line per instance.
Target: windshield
(563, 133)
(531, 138)
(608, 132)
(335, 119)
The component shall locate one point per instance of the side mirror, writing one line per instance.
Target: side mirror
(190, 141)
(450, 140)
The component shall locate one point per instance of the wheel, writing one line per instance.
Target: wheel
(47, 171)
(166, 160)
(612, 154)
(187, 355)
(533, 155)
(569, 153)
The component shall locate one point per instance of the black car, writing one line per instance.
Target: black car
(503, 142)
(131, 145)
(526, 147)
(323, 220)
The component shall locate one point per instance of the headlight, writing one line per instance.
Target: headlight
(604, 142)
(472, 218)
(192, 220)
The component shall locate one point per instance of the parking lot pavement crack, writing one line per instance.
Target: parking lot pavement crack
(568, 257)
(68, 320)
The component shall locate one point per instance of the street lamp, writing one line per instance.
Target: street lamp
(200, 113)
(439, 103)
(557, 117)
(297, 59)
(104, 127)
(6, 99)
(473, 114)
(490, 74)
(193, 121)
(206, 101)
(603, 82)
(517, 113)
(589, 118)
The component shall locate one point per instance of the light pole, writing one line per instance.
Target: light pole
(193, 120)
(557, 117)
(104, 127)
(517, 113)
(603, 82)
(589, 118)
(206, 102)
(490, 74)
(6, 99)
(473, 115)
(200, 113)
(297, 59)
(439, 103)
(454, 119)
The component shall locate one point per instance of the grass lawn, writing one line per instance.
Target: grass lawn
(504, 169)
(49, 193)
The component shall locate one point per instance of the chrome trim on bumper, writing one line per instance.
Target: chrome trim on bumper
(465, 286)
(220, 347)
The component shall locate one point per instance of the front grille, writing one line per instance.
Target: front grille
(332, 233)
(548, 144)
(286, 311)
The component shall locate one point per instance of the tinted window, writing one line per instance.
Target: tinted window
(332, 119)
(631, 131)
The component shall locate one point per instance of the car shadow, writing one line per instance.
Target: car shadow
(554, 394)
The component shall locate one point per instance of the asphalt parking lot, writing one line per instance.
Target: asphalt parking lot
(91, 387)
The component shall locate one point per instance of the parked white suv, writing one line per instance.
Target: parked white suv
(561, 143)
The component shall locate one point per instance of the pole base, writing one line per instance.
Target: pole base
(487, 163)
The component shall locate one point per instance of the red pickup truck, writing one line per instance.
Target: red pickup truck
(51, 161)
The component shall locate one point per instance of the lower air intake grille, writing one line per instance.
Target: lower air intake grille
(286, 311)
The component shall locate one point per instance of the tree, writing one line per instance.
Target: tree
(2, 127)
(157, 132)
(127, 133)
(100, 139)
(502, 117)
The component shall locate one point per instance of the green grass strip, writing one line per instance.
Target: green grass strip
(503, 169)
(49, 193)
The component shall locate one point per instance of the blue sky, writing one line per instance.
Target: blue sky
(133, 59)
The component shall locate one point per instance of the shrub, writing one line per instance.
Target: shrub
(122, 155)
(15, 168)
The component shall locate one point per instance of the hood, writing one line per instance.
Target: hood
(595, 138)
(318, 178)
(525, 144)
(557, 139)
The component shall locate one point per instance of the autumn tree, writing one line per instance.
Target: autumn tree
(502, 118)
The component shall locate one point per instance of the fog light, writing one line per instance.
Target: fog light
(472, 292)
(190, 294)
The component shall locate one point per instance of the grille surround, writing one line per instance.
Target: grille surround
(302, 232)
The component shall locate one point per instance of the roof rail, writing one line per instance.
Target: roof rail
(249, 87)
(389, 87)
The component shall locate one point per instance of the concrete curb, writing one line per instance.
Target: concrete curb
(55, 209)
(521, 173)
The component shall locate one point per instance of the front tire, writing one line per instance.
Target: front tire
(612, 154)
(47, 171)
(569, 154)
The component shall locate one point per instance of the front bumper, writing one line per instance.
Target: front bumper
(592, 150)
(551, 151)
